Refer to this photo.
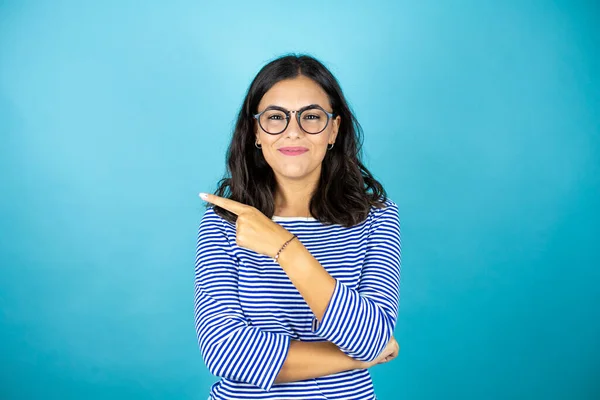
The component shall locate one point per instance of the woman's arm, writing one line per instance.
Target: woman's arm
(231, 347)
(306, 360)
(359, 321)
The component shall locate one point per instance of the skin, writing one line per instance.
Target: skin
(297, 177)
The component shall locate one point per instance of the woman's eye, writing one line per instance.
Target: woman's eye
(276, 117)
(311, 116)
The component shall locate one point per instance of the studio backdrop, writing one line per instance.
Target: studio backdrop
(481, 119)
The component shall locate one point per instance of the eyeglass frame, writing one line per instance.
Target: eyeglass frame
(298, 112)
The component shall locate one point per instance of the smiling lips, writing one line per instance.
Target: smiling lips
(293, 151)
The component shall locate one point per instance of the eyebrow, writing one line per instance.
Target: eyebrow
(301, 108)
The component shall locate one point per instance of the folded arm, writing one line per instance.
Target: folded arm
(359, 321)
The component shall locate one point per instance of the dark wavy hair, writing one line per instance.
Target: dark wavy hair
(346, 189)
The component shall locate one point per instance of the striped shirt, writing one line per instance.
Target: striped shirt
(247, 310)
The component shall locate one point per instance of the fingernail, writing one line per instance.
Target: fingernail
(203, 196)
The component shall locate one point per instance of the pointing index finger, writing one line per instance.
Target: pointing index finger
(228, 204)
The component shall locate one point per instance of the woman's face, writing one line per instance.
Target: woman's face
(293, 94)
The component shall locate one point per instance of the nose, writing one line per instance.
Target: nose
(293, 128)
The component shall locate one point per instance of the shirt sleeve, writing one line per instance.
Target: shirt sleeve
(230, 346)
(361, 321)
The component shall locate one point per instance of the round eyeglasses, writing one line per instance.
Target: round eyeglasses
(312, 119)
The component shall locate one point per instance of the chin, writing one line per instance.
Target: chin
(293, 173)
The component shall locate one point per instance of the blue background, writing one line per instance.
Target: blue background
(481, 119)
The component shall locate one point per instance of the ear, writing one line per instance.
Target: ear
(255, 128)
(336, 127)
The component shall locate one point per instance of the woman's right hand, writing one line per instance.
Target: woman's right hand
(387, 354)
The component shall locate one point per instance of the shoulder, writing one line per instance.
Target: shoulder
(389, 210)
(211, 221)
(210, 218)
(214, 232)
(385, 217)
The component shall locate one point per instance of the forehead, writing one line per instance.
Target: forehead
(295, 93)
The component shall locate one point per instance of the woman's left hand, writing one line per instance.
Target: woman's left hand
(390, 352)
(254, 230)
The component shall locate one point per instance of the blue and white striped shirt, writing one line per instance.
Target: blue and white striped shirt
(247, 310)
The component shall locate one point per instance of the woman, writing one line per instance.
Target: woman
(298, 259)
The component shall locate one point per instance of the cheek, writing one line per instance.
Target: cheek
(270, 141)
(271, 155)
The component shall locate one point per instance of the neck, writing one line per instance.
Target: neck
(292, 197)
